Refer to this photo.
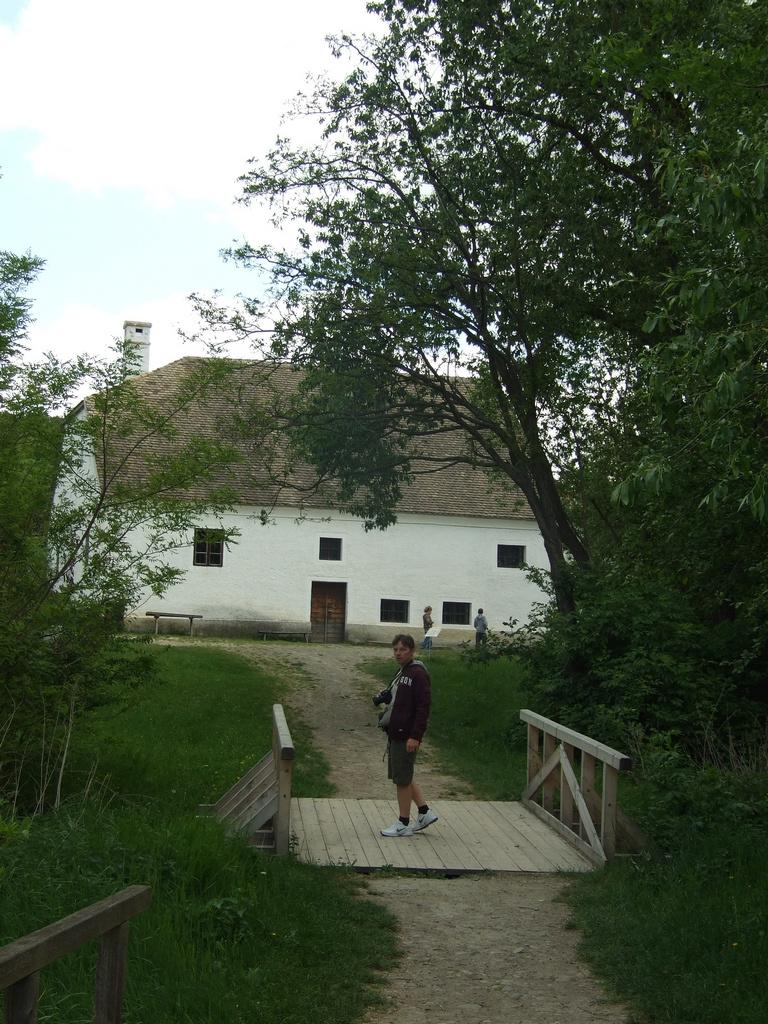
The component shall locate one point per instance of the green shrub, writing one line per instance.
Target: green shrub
(634, 652)
(677, 798)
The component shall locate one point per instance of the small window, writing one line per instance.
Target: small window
(330, 549)
(455, 613)
(510, 556)
(209, 548)
(394, 611)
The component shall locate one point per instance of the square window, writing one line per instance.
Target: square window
(330, 549)
(394, 611)
(510, 556)
(209, 548)
(455, 613)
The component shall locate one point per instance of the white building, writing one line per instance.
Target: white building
(355, 585)
(297, 564)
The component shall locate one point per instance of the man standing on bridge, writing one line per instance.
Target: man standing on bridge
(407, 723)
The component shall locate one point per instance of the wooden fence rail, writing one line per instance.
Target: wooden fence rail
(562, 787)
(21, 961)
(260, 802)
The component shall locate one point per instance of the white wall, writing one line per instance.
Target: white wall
(267, 574)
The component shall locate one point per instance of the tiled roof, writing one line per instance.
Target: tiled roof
(456, 489)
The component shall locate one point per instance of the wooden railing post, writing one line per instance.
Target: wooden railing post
(534, 760)
(587, 784)
(21, 1000)
(609, 810)
(282, 748)
(110, 975)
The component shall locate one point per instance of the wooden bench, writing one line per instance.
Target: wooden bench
(285, 628)
(174, 615)
(285, 632)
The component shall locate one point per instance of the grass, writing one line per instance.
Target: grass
(682, 939)
(232, 934)
(194, 732)
(681, 932)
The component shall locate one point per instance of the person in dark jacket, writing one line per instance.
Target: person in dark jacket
(407, 724)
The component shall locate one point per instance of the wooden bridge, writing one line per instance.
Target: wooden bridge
(469, 836)
(568, 818)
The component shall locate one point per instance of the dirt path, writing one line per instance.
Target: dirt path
(479, 949)
(333, 696)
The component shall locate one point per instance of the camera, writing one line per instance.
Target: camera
(382, 698)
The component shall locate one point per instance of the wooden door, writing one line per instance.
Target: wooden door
(328, 612)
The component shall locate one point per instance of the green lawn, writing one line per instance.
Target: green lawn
(232, 934)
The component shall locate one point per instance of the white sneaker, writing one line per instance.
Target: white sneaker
(398, 829)
(427, 818)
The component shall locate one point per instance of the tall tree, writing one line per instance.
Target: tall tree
(467, 257)
(483, 232)
(708, 359)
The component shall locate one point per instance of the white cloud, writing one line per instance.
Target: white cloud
(87, 330)
(170, 96)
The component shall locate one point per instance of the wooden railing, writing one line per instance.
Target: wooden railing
(21, 961)
(565, 790)
(260, 802)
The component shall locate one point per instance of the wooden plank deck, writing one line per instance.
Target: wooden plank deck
(469, 836)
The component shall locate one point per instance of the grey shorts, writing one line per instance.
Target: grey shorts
(400, 763)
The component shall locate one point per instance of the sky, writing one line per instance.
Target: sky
(123, 130)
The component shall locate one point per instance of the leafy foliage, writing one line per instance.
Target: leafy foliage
(708, 327)
(515, 195)
(77, 547)
(472, 208)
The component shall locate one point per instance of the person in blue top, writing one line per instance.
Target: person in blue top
(405, 731)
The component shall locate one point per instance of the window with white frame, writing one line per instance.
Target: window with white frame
(330, 549)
